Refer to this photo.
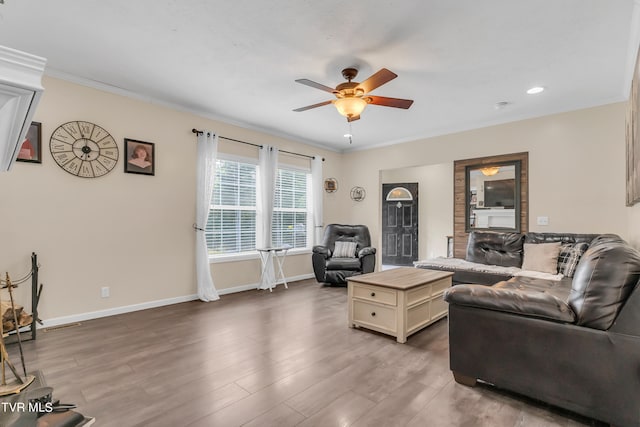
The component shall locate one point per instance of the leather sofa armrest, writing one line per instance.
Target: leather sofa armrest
(366, 251)
(525, 303)
(322, 250)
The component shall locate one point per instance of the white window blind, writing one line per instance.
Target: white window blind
(231, 227)
(290, 213)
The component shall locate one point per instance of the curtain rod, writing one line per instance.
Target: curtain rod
(199, 132)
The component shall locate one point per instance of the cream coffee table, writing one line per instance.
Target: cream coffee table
(397, 302)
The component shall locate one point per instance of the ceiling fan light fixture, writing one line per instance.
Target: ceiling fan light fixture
(350, 107)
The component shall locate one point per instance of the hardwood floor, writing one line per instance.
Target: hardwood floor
(256, 358)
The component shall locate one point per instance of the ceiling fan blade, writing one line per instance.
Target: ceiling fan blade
(378, 79)
(390, 102)
(353, 118)
(308, 82)
(308, 107)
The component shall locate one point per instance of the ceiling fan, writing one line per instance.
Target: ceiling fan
(352, 97)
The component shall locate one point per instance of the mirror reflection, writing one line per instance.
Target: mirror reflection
(493, 197)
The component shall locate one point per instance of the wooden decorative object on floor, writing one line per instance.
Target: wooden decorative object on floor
(20, 384)
(7, 315)
(15, 386)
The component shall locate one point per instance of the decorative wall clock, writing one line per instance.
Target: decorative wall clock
(84, 149)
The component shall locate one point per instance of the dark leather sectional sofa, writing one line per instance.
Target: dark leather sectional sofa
(573, 343)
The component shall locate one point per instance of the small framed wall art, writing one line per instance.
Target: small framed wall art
(141, 157)
(358, 194)
(31, 149)
(330, 185)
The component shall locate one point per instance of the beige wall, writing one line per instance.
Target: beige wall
(130, 232)
(576, 161)
(634, 226)
(435, 205)
(133, 233)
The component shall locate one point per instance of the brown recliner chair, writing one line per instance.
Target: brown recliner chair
(329, 269)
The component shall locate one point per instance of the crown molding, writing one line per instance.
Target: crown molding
(105, 87)
(448, 130)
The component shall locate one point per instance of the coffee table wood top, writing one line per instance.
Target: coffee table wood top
(401, 278)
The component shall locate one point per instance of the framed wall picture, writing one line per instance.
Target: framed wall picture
(633, 139)
(31, 149)
(141, 157)
(330, 185)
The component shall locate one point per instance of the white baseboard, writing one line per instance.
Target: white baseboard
(64, 320)
(113, 311)
(255, 285)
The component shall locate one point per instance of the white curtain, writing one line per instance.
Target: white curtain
(206, 171)
(317, 191)
(267, 170)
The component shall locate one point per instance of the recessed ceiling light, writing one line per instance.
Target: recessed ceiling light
(535, 89)
(347, 135)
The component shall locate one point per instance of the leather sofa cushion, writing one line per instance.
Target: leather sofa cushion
(340, 276)
(366, 251)
(606, 274)
(521, 302)
(607, 238)
(486, 279)
(533, 237)
(322, 250)
(494, 248)
(558, 288)
(344, 264)
(346, 233)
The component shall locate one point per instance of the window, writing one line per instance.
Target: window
(231, 227)
(290, 224)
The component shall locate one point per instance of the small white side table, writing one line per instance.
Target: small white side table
(266, 256)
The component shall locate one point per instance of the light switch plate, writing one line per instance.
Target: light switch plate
(543, 220)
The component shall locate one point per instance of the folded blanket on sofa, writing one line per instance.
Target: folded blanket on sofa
(442, 263)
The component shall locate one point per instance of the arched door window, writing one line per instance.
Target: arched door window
(399, 194)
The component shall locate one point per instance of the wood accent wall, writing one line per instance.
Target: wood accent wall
(460, 236)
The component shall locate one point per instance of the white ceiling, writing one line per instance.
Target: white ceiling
(237, 60)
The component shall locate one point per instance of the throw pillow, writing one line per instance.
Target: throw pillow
(345, 249)
(541, 257)
(570, 254)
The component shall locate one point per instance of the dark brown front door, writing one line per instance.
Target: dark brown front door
(399, 223)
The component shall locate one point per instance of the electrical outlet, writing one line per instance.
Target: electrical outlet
(543, 220)
(104, 292)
